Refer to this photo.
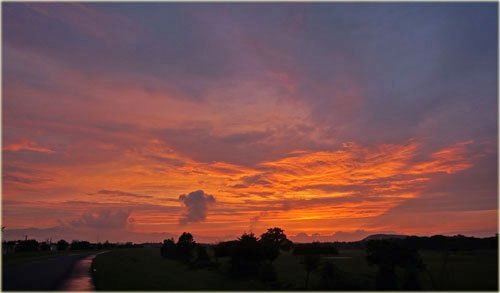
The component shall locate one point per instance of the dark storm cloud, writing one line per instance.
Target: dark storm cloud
(197, 204)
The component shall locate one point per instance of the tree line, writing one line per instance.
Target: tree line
(250, 256)
(31, 245)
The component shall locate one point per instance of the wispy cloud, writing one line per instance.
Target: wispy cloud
(27, 145)
(119, 193)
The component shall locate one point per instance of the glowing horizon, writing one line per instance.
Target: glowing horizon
(332, 121)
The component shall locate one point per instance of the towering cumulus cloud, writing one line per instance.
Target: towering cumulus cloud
(197, 203)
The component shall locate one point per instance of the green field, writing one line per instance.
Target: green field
(144, 269)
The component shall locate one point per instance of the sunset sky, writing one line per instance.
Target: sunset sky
(333, 121)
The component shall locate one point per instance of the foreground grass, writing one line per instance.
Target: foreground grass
(475, 270)
(144, 269)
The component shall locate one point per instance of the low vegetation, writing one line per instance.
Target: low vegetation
(24, 251)
(272, 262)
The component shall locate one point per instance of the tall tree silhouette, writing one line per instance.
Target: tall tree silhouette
(245, 256)
(62, 244)
(185, 246)
(272, 242)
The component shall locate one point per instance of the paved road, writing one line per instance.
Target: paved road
(40, 275)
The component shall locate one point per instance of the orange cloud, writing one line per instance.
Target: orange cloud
(303, 190)
(27, 145)
(450, 160)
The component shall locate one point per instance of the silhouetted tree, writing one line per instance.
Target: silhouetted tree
(107, 245)
(44, 246)
(310, 263)
(62, 244)
(168, 249)
(79, 245)
(185, 246)
(272, 241)
(245, 256)
(27, 245)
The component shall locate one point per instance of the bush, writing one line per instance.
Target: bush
(44, 246)
(80, 245)
(27, 245)
(62, 244)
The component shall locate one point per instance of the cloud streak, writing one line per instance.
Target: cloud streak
(119, 193)
(27, 145)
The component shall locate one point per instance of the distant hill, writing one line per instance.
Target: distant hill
(383, 236)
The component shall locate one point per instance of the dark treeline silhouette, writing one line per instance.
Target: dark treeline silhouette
(32, 245)
(249, 256)
(436, 242)
(253, 257)
(398, 262)
(453, 243)
(186, 250)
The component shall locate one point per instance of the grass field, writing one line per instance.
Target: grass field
(144, 269)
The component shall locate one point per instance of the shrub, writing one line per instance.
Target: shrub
(62, 244)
